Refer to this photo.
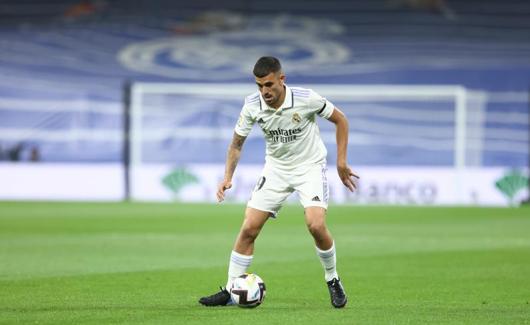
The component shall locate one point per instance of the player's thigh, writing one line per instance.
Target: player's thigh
(254, 219)
(270, 192)
(312, 187)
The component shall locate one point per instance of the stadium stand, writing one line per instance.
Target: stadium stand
(64, 63)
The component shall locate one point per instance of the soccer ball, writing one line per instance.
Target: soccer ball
(248, 290)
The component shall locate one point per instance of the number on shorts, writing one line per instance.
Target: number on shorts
(260, 183)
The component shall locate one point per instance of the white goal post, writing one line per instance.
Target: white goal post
(167, 121)
(458, 94)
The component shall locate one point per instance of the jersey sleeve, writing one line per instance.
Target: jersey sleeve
(320, 105)
(245, 122)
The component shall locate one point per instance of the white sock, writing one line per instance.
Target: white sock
(329, 262)
(239, 264)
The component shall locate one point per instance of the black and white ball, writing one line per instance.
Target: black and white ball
(248, 290)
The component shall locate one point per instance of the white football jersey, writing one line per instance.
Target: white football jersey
(291, 132)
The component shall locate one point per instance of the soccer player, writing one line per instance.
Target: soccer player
(295, 161)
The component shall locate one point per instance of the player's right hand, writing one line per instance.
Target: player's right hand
(223, 186)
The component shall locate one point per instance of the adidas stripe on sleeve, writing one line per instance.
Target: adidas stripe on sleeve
(320, 105)
(246, 120)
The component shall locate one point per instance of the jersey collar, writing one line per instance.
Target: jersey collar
(288, 101)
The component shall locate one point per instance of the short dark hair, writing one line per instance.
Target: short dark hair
(266, 65)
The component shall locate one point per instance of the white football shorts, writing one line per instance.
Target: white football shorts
(274, 186)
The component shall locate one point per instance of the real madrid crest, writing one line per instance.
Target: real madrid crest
(296, 118)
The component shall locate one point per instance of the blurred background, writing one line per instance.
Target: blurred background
(116, 100)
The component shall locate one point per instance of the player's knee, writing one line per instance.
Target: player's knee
(316, 227)
(249, 233)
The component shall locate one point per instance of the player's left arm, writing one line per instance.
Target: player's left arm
(345, 173)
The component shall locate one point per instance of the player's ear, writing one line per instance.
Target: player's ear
(282, 77)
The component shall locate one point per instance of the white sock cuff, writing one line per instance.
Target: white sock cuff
(234, 253)
(240, 259)
(327, 253)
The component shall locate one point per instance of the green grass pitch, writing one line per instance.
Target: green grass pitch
(105, 263)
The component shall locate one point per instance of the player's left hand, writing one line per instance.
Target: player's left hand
(346, 174)
(223, 186)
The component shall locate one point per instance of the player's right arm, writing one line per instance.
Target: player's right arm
(241, 131)
(232, 158)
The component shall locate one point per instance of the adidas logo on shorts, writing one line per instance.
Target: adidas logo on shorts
(316, 199)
